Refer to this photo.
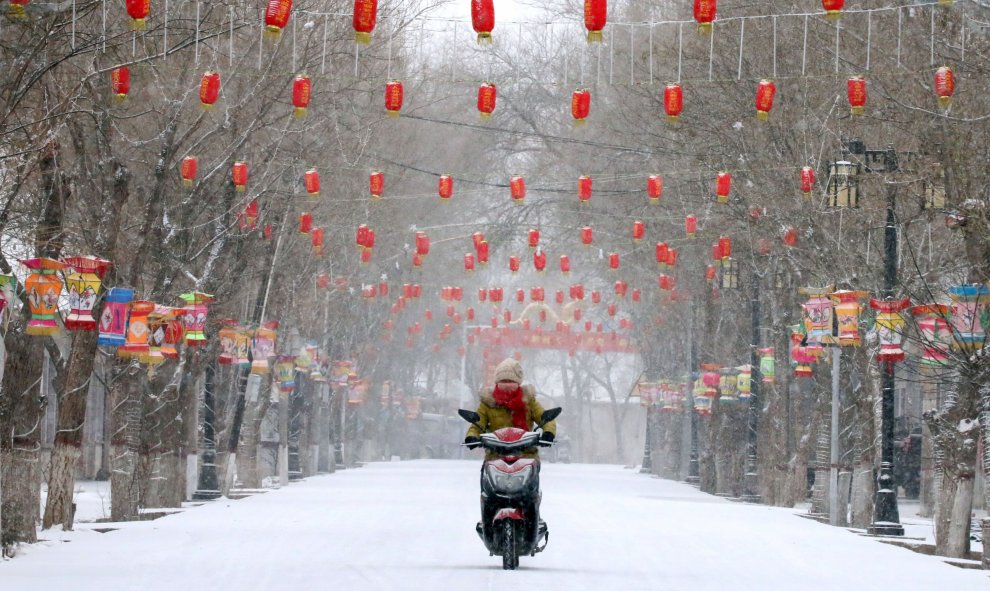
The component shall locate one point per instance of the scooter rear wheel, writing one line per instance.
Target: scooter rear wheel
(510, 550)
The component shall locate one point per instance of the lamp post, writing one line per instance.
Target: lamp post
(844, 191)
(751, 478)
(693, 472)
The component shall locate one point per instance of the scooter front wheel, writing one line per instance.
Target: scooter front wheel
(510, 548)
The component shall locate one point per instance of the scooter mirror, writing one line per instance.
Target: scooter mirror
(549, 415)
(469, 415)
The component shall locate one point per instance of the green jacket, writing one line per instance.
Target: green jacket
(495, 417)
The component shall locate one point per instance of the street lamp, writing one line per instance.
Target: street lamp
(886, 520)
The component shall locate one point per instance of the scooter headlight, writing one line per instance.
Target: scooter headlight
(509, 483)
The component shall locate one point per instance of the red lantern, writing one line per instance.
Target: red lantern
(277, 15)
(945, 85)
(587, 235)
(138, 11)
(666, 282)
(417, 260)
(477, 238)
(209, 89)
(365, 13)
(120, 81)
(366, 256)
(723, 185)
(305, 222)
(791, 236)
(422, 243)
(311, 179)
(188, 170)
(725, 247)
(621, 287)
(661, 253)
(654, 188)
(536, 294)
(239, 174)
(856, 92)
(495, 295)
(673, 101)
(376, 184)
(445, 187)
(361, 238)
(517, 185)
(486, 100)
(514, 263)
(584, 189)
(596, 297)
(612, 309)
(417, 290)
(565, 264)
(393, 98)
(483, 19)
(807, 180)
(613, 260)
(470, 313)
(428, 315)
(540, 260)
(764, 98)
(580, 105)
(671, 257)
(577, 291)
(520, 296)
(482, 294)
(691, 225)
(595, 17)
(483, 252)
(716, 252)
(636, 296)
(833, 8)
(534, 238)
(323, 281)
(704, 13)
(638, 230)
(469, 262)
(269, 231)
(249, 218)
(316, 239)
(301, 90)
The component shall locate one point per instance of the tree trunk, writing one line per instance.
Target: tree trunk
(124, 442)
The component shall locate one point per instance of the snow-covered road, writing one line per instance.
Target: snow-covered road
(410, 525)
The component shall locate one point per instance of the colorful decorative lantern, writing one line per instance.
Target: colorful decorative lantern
(704, 14)
(239, 175)
(120, 82)
(565, 264)
(945, 85)
(17, 9)
(968, 316)
(833, 8)
(486, 100)
(158, 321)
(587, 235)
(305, 222)
(393, 98)
(539, 261)
(934, 332)
(723, 186)
(188, 170)
(209, 89)
(277, 16)
(285, 373)
(764, 98)
(138, 11)
(445, 187)
(301, 87)
(654, 188)
(227, 342)
(316, 240)
(194, 317)
(113, 319)
(638, 230)
(673, 101)
(817, 314)
(613, 261)
(856, 93)
(584, 189)
(376, 184)
(136, 342)
(847, 307)
(807, 180)
(890, 328)
(517, 188)
(483, 20)
(595, 17)
(365, 13)
(83, 284)
(43, 290)
(691, 225)
(580, 105)
(311, 178)
(744, 382)
(5, 280)
(767, 365)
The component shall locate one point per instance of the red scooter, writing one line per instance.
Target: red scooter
(510, 523)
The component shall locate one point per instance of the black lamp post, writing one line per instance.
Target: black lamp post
(886, 520)
(751, 478)
(693, 471)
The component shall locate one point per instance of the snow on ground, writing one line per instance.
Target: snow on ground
(410, 525)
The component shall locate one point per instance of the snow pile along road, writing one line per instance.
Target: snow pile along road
(410, 525)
